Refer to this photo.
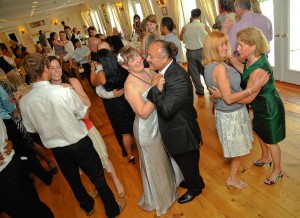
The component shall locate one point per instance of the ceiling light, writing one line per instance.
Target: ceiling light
(35, 2)
(54, 21)
(160, 2)
(120, 6)
(22, 30)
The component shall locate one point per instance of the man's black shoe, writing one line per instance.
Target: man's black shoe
(187, 197)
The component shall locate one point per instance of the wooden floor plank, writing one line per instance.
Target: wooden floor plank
(258, 200)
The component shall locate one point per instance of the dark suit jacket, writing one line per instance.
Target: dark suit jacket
(177, 116)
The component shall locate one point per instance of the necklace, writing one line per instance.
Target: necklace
(141, 78)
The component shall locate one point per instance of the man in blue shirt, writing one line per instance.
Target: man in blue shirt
(6, 106)
(81, 54)
(167, 26)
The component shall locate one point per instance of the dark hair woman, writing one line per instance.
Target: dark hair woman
(119, 112)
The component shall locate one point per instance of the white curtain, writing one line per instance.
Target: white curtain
(146, 7)
(86, 18)
(210, 9)
(128, 15)
(103, 14)
(179, 20)
(116, 14)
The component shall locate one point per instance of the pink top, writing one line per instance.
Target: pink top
(250, 19)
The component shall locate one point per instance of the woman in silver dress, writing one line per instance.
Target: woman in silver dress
(160, 175)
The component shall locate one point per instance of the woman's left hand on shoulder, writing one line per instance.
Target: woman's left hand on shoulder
(66, 85)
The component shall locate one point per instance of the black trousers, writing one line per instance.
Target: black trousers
(87, 71)
(32, 164)
(195, 68)
(189, 166)
(19, 198)
(82, 154)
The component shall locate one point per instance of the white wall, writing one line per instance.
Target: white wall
(71, 16)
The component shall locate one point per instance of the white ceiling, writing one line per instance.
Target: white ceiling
(19, 11)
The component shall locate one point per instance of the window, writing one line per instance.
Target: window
(113, 20)
(138, 10)
(101, 29)
(94, 20)
(268, 10)
(187, 7)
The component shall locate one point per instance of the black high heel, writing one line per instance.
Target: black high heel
(131, 159)
(260, 164)
(124, 153)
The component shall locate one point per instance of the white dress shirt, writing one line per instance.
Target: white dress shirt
(55, 113)
(163, 71)
(195, 35)
(3, 137)
(100, 90)
(69, 48)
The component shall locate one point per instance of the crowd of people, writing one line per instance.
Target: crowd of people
(146, 94)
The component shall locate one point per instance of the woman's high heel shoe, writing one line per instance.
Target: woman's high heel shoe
(268, 181)
(131, 159)
(124, 153)
(260, 164)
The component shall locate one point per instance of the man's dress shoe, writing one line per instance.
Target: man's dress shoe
(187, 197)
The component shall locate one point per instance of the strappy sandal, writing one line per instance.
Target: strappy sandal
(240, 185)
(268, 181)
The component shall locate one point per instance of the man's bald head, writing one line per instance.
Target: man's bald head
(93, 43)
(104, 45)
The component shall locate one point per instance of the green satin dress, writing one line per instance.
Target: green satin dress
(268, 109)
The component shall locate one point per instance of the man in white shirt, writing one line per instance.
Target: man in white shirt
(18, 195)
(193, 37)
(68, 63)
(55, 113)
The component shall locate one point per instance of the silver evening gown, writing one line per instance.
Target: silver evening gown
(160, 174)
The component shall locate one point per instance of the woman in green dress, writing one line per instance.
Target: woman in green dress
(268, 109)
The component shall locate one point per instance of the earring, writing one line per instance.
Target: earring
(253, 51)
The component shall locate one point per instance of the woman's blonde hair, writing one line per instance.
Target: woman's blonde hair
(254, 36)
(126, 54)
(211, 47)
(153, 19)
